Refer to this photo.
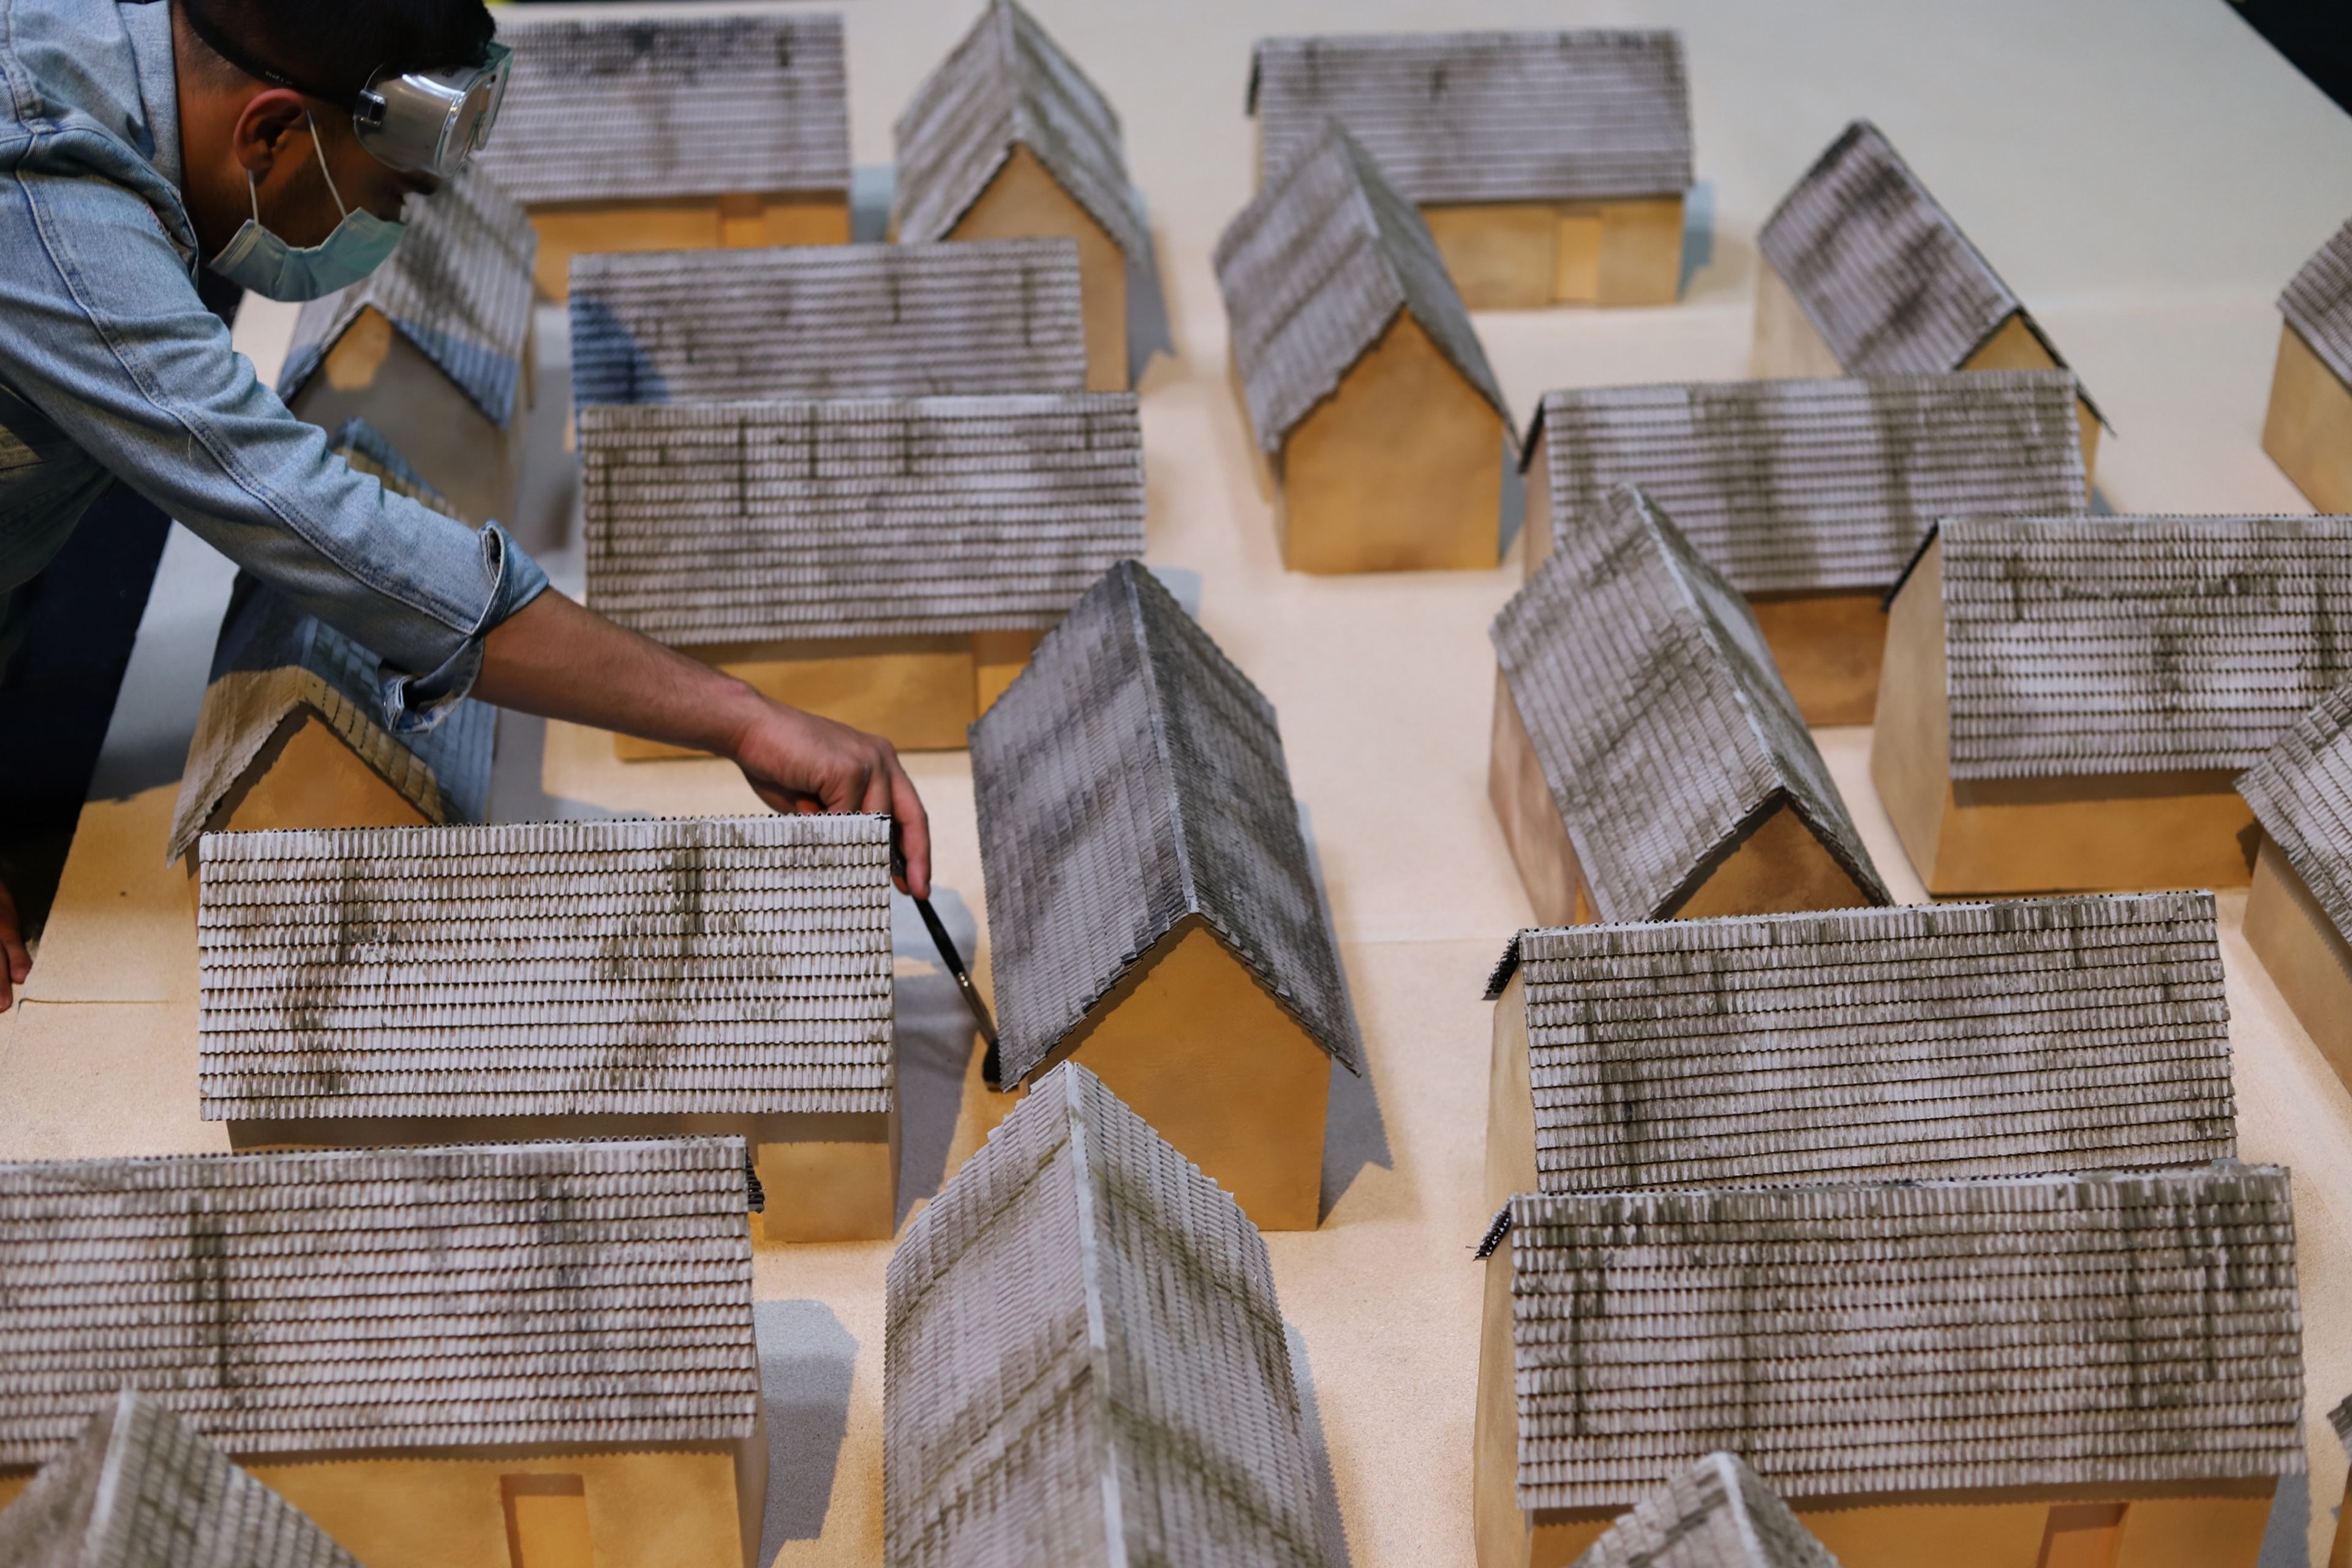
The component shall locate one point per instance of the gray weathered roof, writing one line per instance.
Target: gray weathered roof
(1817, 486)
(274, 663)
(615, 967)
(1129, 782)
(2301, 790)
(458, 287)
(1081, 1338)
(1718, 1514)
(827, 320)
(293, 1303)
(2133, 645)
(1313, 271)
(1008, 84)
(1537, 116)
(2341, 1419)
(1901, 1044)
(649, 109)
(140, 1489)
(2050, 1331)
(1657, 713)
(760, 522)
(2318, 303)
(1887, 277)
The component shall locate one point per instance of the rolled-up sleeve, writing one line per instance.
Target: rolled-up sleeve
(106, 337)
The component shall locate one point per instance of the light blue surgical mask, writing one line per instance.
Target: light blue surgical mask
(259, 260)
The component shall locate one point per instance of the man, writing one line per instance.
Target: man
(277, 141)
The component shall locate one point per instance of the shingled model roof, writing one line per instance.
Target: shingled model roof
(615, 966)
(483, 1295)
(687, 107)
(1131, 782)
(140, 1489)
(1537, 116)
(1717, 1514)
(1883, 1045)
(1008, 84)
(2051, 1331)
(1817, 486)
(1658, 715)
(2301, 790)
(1083, 1342)
(458, 287)
(1885, 274)
(761, 521)
(2341, 1419)
(827, 320)
(1315, 268)
(2131, 644)
(275, 664)
(2318, 303)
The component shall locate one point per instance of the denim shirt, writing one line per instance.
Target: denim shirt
(112, 367)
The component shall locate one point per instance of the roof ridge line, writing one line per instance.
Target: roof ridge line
(1076, 1123)
(1155, 708)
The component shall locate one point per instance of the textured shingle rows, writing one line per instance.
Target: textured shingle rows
(662, 108)
(1082, 1339)
(385, 1300)
(2341, 1419)
(761, 521)
(1582, 115)
(2318, 303)
(703, 965)
(458, 287)
(2137, 645)
(1658, 716)
(1882, 1044)
(2301, 792)
(827, 320)
(1315, 268)
(1132, 781)
(1719, 1513)
(1008, 84)
(2057, 1331)
(140, 1489)
(1817, 486)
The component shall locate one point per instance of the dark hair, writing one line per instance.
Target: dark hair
(330, 48)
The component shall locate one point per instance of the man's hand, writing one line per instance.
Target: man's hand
(798, 762)
(15, 963)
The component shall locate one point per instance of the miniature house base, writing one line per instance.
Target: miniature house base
(737, 222)
(308, 776)
(1778, 866)
(919, 693)
(2087, 834)
(373, 373)
(1191, 1041)
(1025, 202)
(1521, 255)
(2306, 957)
(1788, 344)
(2308, 431)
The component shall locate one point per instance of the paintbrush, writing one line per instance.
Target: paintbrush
(989, 1069)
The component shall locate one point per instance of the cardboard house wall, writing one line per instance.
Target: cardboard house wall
(2307, 428)
(2299, 912)
(1550, 165)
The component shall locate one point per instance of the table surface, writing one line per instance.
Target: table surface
(2145, 174)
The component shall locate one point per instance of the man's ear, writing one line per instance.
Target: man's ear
(265, 126)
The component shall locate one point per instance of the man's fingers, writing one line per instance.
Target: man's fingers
(914, 830)
(878, 787)
(16, 962)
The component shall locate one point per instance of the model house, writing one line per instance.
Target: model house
(847, 320)
(887, 564)
(1888, 1045)
(138, 1489)
(1084, 1361)
(292, 730)
(1152, 904)
(2341, 1419)
(2017, 1372)
(2308, 431)
(616, 977)
(1008, 140)
(1647, 762)
(2067, 701)
(432, 348)
(1383, 426)
(2299, 914)
(700, 132)
(1866, 274)
(1550, 166)
(1717, 1514)
(491, 1354)
(1810, 497)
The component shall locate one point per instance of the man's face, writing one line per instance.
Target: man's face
(296, 204)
